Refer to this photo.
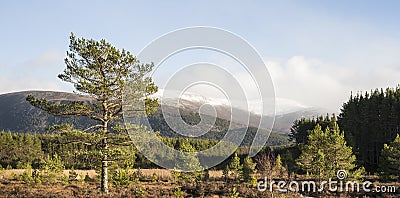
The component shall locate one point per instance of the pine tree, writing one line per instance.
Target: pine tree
(326, 152)
(190, 162)
(390, 159)
(236, 167)
(300, 129)
(278, 167)
(102, 72)
(249, 169)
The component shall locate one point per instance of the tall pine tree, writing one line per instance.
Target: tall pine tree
(100, 71)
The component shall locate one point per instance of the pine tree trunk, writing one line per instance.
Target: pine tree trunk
(104, 163)
(104, 169)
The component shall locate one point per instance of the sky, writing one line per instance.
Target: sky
(317, 52)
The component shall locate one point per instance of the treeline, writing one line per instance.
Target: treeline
(79, 150)
(217, 131)
(370, 123)
(371, 120)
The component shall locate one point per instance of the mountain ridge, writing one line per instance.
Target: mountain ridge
(18, 115)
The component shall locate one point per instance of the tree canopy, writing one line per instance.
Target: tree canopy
(390, 162)
(326, 152)
(369, 121)
(301, 127)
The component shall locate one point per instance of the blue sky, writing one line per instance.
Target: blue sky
(334, 46)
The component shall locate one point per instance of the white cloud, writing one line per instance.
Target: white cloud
(8, 85)
(38, 73)
(319, 84)
(299, 81)
(283, 105)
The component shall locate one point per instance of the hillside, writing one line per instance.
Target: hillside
(282, 122)
(17, 115)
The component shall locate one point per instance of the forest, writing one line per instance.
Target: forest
(362, 150)
(362, 142)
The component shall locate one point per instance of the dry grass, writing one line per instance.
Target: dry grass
(162, 174)
(8, 173)
(164, 187)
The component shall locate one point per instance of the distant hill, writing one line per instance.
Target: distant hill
(17, 115)
(217, 131)
(282, 122)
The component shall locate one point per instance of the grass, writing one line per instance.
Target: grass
(163, 187)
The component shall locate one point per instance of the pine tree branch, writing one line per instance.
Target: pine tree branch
(92, 127)
(78, 142)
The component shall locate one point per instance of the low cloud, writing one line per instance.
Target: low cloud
(299, 81)
(38, 73)
(315, 83)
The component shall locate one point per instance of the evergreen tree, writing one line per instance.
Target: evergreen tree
(300, 129)
(369, 121)
(249, 169)
(20, 150)
(189, 161)
(326, 152)
(390, 163)
(235, 167)
(100, 71)
(264, 162)
(278, 167)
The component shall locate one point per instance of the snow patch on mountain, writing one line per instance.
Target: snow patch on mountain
(282, 105)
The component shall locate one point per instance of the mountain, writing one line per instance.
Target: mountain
(17, 115)
(283, 121)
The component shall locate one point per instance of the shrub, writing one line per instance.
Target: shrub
(52, 164)
(178, 193)
(138, 190)
(138, 174)
(81, 179)
(234, 193)
(50, 178)
(51, 169)
(29, 176)
(87, 178)
(154, 177)
(1, 172)
(21, 165)
(225, 173)
(121, 177)
(72, 176)
(64, 180)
